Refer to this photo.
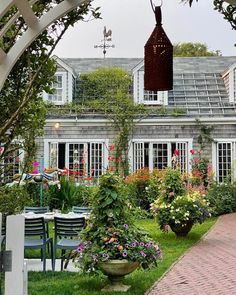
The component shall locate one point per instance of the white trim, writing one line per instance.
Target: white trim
(67, 141)
(64, 65)
(152, 121)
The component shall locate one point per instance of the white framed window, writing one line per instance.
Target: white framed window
(224, 157)
(147, 97)
(81, 158)
(159, 154)
(155, 97)
(60, 89)
(11, 165)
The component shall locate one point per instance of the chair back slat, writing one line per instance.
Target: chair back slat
(36, 210)
(35, 227)
(80, 210)
(68, 227)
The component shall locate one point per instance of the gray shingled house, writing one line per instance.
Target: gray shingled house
(204, 89)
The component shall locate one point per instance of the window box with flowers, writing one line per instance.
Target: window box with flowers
(111, 242)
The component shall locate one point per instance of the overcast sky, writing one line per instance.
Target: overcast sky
(132, 22)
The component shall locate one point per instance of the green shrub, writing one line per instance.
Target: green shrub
(67, 194)
(13, 199)
(222, 198)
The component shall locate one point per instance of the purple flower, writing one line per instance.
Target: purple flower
(159, 253)
(124, 254)
(141, 244)
(105, 255)
(125, 226)
(143, 253)
(126, 245)
(134, 244)
(79, 250)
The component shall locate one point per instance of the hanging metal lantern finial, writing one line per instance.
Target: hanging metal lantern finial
(158, 58)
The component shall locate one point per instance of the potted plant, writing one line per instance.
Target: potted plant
(111, 242)
(182, 212)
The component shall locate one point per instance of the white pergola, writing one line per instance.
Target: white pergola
(35, 27)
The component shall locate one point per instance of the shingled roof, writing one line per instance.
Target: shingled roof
(198, 90)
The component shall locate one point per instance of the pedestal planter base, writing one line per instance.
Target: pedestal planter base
(116, 271)
(181, 230)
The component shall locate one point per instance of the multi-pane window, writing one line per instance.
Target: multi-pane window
(83, 159)
(224, 159)
(11, 165)
(155, 97)
(57, 85)
(158, 155)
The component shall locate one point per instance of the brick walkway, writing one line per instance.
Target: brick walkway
(209, 268)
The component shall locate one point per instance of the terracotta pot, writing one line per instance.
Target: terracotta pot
(116, 270)
(181, 230)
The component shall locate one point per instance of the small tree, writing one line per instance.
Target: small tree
(21, 107)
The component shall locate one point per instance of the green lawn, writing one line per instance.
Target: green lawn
(64, 283)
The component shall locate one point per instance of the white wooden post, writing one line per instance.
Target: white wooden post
(14, 280)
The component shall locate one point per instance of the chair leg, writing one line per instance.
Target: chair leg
(44, 257)
(52, 254)
(62, 258)
(54, 257)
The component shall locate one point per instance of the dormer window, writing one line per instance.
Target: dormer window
(57, 85)
(155, 97)
(147, 97)
(229, 78)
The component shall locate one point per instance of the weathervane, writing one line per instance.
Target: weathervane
(105, 42)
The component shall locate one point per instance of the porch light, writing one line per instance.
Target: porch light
(158, 57)
(57, 125)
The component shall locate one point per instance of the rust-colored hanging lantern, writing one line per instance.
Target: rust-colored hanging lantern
(158, 58)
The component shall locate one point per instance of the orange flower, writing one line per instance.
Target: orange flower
(120, 247)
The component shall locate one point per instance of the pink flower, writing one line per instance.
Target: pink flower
(35, 172)
(1, 149)
(112, 147)
(35, 164)
(110, 158)
(83, 161)
(176, 152)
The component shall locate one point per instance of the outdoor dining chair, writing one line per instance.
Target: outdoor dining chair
(39, 210)
(36, 210)
(66, 236)
(36, 237)
(80, 210)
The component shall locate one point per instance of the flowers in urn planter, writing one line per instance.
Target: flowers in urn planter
(121, 242)
(110, 233)
(189, 207)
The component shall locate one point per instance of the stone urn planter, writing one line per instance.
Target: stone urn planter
(116, 271)
(181, 230)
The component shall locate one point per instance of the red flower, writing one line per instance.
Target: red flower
(117, 160)
(110, 158)
(176, 152)
(83, 161)
(112, 147)
(192, 152)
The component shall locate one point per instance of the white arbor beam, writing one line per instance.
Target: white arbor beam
(232, 2)
(26, 11)
(7, 61)
(5, 5)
